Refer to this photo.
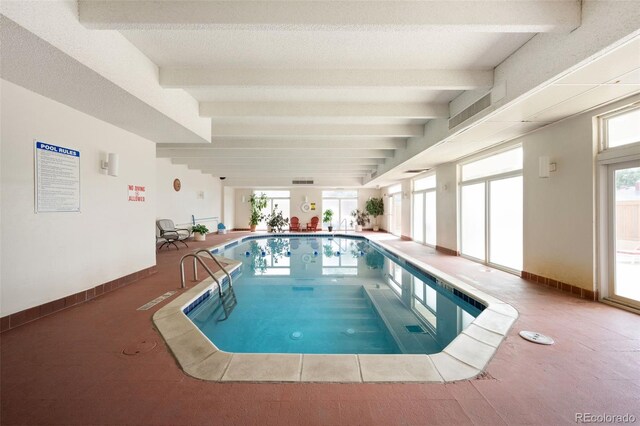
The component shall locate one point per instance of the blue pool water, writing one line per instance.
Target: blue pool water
(327, 295)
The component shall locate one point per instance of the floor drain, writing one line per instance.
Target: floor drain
(296, 335)
(139, 347)
(534, 337)
(414, 329)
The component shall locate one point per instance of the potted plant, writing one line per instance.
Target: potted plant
(258, 203)
(327, 218)
(199, 232)
(361, 218)
(375, 207)
(275, 221)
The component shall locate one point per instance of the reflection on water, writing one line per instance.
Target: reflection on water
(339, 295)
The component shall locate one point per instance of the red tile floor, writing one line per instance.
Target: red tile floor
(68, 368)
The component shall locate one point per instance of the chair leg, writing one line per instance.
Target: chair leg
(173, 243)
(183, 243)
(162, 245)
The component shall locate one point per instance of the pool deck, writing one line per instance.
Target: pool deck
(69, 367)
(466, 357)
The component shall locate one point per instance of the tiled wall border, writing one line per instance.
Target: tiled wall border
(447, 251)
(19, 318)
(567, 288)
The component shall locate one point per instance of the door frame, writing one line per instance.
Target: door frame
(487, 217)
(607, 167)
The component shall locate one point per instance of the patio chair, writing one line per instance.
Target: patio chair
(313, 225)
(170, 234)
(294, 224)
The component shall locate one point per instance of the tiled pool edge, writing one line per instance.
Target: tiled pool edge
(464, 358)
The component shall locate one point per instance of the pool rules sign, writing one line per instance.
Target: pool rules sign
(57, 171)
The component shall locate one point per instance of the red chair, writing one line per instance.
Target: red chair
(294, 224)
(313, 225)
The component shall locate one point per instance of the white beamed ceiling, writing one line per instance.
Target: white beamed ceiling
(332, 81)
(333, 90)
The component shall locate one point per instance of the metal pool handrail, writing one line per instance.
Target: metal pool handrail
(195, 271)
(217, 263)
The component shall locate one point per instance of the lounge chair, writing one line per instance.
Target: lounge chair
(170, 234)
(294, 224)
(313, 225)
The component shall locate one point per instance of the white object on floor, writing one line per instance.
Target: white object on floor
(534, 337)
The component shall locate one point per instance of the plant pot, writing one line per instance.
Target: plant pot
(269, 228)
(376, 228)
(252, 228)
(330, 228)
(358, 228)
(199, 237)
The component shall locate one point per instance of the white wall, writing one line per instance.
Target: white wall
(314, 195)
(229, 207)
(447, 206)
(47, 256)
(242, 208)
(180, 205)
(559, 212)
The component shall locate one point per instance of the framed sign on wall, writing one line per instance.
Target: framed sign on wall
(57, 178)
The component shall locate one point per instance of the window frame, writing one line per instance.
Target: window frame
(487, 199)
(424, 208)
(603, 129)
(338, 214)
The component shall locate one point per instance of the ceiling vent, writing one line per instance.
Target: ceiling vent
(470, 111)
(374, 174)
(416, 170)
(302, 181)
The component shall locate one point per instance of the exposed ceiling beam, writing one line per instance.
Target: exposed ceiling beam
(285, 173)
(291, 154)
(384, 143)
(324, 109)
(224, 130)
(305, 78)
(278, 162)
(529, 16)
(334, 168)
(254, 182)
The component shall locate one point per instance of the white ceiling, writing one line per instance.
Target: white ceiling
(327, 88)
(330, 89)
(611, 77)
(303, 49)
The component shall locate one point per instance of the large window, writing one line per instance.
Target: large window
(395, 209)
(342, 203)
(621, 128)
(424, 210)
(491, 206)
(278, 200)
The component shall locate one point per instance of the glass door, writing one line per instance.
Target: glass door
(624, 232)
(491, 210)
(472, 241)
(396, 216)
(505, 222)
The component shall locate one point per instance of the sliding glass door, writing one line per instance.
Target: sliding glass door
(491, 204)
(341, 203)
(423, 228)
(624, 232)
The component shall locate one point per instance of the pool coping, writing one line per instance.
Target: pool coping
(464, 358)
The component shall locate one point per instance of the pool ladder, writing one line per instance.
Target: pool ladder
(228, 299)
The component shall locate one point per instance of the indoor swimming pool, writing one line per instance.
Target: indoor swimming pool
(324, 294)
